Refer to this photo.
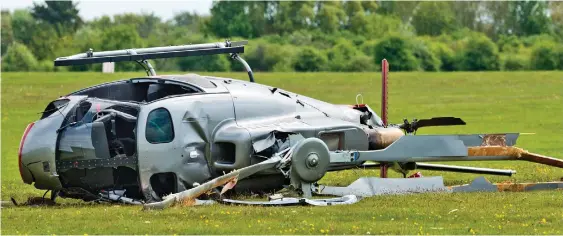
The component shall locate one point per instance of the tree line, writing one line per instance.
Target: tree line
(303, 35)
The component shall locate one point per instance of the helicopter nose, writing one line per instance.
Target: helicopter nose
(25, 173)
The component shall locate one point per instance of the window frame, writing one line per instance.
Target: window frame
(171, 126)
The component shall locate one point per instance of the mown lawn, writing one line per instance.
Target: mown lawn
(526, 102)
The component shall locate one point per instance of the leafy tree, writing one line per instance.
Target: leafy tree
(291, 16)
(378, 26)
(121, 37)
(7, 32)
(427, 60)
(330, 17)
(509, 43)
(264, 56)
(146, 24)
(402, 9)
(361, 62)
(340, 56)
(23, 26)
(514, 62)
(481, 54)
(445, 54)
(545, 56)
(18, 58)
(63, 15)
(44, 41)
(434, 18)
(398, 51)
(310, 59)
(189, 21)
(204, 63)
(467, 13)
(229, 18)
(531, 17)
(556, 12)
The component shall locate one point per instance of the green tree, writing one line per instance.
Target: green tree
(402, 9)
(290, 16)
(445, 54)
(310, 59)
(44, 41)
(190, 21)
(330, 17)
(398, 50)
(545, 56)
(7, 32)
(229, 19)
(556, 12)
(145, 24)
(428, 61)
(481, 54)
(204, 63)
(378, 26)
(531, 17)
(340, 56)
(63, 15)
(23, 26)
(18, 58)
(121, 37)
(434, 18)
(467, 13)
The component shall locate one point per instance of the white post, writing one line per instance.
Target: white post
(108, 67)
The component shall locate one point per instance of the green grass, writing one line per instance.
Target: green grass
(528, 102)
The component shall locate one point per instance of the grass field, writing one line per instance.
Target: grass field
(527, 102)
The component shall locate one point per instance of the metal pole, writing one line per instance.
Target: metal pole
(384, 77)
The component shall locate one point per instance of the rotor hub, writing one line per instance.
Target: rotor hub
(312, 160)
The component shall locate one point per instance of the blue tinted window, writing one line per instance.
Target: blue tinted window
(159, 127)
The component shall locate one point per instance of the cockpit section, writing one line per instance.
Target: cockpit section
(97, 148)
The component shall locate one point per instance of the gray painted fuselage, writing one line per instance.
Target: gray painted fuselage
(221, 125)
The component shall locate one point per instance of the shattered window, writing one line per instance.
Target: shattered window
(159, 126)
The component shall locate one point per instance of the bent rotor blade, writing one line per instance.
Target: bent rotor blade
(189, 196)
(439, 121)
(515, 153)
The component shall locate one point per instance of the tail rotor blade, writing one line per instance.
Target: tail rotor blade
(439, 121)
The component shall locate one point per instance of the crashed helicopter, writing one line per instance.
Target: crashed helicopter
(160, 139)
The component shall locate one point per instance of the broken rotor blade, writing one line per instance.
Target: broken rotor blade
(189, 196)
(514, 153)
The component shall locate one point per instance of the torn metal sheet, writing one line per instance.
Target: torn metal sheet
(344, 200)
(372, 186)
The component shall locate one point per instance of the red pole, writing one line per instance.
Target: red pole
(384, 76)
(384, 94)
